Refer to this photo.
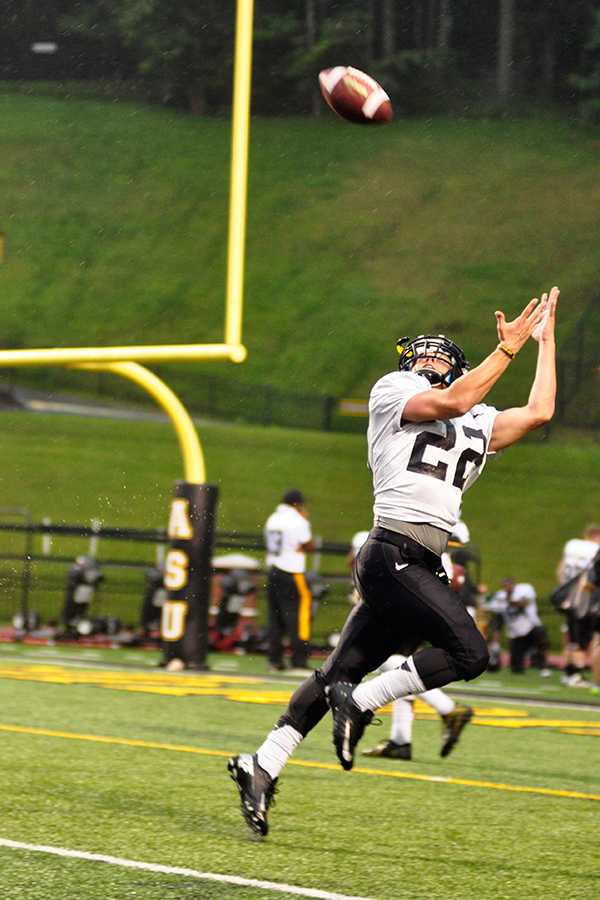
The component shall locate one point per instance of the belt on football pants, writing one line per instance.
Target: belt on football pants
(411, 550)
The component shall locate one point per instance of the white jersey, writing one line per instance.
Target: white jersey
(577, 556)
(358, 540)
(461, 533)
(519, 621)
(421, 469)
(285, 531)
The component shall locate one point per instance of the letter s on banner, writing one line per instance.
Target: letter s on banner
(177, 566)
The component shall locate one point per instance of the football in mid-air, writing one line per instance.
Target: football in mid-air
(355, 96)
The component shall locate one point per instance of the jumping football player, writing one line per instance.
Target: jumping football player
(428, 437)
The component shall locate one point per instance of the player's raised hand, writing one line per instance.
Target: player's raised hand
(515, 334)
(544, 330)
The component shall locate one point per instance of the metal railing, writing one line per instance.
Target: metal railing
(33, 571)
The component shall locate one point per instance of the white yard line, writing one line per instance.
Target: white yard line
(40, 659)
(177, 870)
(508, 700)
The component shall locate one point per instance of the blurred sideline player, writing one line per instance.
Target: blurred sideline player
(577, 556)
(594, 584)
(288, 539)
(578, 553)
(454, 716)
(428, 438)
(516, 604)
(232, 614)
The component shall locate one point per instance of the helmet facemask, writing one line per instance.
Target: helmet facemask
(437, 346)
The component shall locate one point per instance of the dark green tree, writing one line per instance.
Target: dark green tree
(587, 81)
(184, 47)
(505, 50)
(431, 54)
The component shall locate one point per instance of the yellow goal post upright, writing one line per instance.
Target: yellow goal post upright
(193, 510)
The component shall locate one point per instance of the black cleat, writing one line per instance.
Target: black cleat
(454, 722)
(349, 722)
(390, 749)
(256, 789)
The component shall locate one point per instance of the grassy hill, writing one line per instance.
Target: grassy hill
(115, 215)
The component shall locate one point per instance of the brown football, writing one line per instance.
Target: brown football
(355, 96)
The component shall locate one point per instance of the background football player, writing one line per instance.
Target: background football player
(288, 539)
(577, 557)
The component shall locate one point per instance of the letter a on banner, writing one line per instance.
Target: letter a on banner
(184, 623)
(180, 527)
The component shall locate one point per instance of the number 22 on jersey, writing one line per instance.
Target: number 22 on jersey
(473, 452)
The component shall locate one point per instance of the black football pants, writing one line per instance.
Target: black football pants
(405, 604)
(290, 605)
(535, 643)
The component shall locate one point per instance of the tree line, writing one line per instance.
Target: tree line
(456, 56)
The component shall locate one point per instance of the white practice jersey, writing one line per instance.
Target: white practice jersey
(461, 533)
(358, 540)
(518, 620)
(285, 531)
(577, 556)
(421, 469)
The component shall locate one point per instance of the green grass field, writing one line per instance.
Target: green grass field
(130, 763)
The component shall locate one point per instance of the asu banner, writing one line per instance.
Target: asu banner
(191, 532)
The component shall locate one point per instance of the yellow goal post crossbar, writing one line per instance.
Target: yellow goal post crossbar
(68, 356)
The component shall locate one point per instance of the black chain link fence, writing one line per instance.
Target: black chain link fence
(35, 559)
(262, 404)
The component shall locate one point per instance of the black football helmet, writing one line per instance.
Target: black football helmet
(436, 345)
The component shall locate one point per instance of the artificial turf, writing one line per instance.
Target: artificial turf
(365, 833)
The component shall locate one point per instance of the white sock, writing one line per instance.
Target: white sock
(276, 749)
(402, 719)
(388, 686)
(392, 662)
(438, 700)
